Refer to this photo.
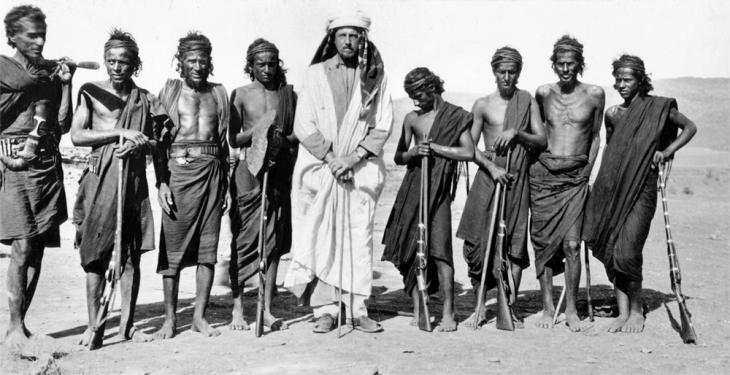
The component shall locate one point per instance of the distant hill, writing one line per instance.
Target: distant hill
(704, 100)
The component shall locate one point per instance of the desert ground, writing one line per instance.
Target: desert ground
(699, 202)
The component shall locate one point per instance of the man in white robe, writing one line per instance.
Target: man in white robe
(343, 118)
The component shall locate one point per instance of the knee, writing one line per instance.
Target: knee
(571, 249)
(24, 255)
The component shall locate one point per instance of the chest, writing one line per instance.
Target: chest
(561, 109)
(197, 104)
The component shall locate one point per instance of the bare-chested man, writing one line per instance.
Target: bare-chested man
(35, 109)
(641, 134)
(192, 196)
(107, 110)
(262, 121)
(572, 112)
(507, 119)
(440, 132)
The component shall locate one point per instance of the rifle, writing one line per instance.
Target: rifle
(260, 303)
(487, 254)
(424, 318)
(503, 269)
(687, 331)
(114, 270)
(52, 63)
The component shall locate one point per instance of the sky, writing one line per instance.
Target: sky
(455, 39)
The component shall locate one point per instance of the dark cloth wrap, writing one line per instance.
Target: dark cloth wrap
(96, 202)
(32, 201)
(475, 220)
(558, 191)
(624, 196)
(245, 210)
(401, 231)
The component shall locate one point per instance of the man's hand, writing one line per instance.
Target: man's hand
(6, 157)
(164, 196)
(500, 175)
(659, 158)
(424, 148)
(64, 72)
(340, 166)
(505, 141)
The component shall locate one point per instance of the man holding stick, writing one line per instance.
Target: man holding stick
(344, 116)
(262, 119)
(507, 119)
(572, 112)
(192, 193)
(641, 133)
(35, 109)
(440, 132)
(106, 111)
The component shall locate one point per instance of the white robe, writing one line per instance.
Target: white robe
(333, 219)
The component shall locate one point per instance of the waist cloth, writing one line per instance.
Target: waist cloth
(189, 234)
(33, 200)
(558, 192)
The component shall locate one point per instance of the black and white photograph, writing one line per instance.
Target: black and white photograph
(365, 187)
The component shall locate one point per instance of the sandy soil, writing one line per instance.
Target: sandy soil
(700, 211)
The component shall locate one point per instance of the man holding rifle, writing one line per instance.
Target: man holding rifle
(641, 134)
(106, 111)
(35, 109)
(508, 119)
(262, 120)
(440, 132)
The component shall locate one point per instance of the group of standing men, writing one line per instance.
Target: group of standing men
(321, 151)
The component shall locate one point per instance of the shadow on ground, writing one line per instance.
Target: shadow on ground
(382, 306)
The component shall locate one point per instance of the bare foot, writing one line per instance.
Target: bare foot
(448, 324)
(16, 339)
(274, 323)
(167, 331)
(414, 322)
(519, 324)
(617, 323)
(546, 320)
(634, 324)
(574, 323)
(237, 322)
(201, 325)
(472, 323)
(136, 335)
(83, 340)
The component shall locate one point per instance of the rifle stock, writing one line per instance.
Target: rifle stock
(687, 331)
(424, 318)
(502, 267)
(487, 255)
(260, 302)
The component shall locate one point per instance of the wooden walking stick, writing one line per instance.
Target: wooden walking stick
(114, 270)
(589, 299)
(424, 318)
(503, 269)
(687, 331)
(261, 303)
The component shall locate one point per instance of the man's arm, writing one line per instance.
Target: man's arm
(305, 122)
(608, 121)
(535, 139)
(236, 137)
(464, 150)
(403, 155)
(82, 133)
(480, 158)
(65, 112)
(600, 101)
(689, 129)
(378, 134)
